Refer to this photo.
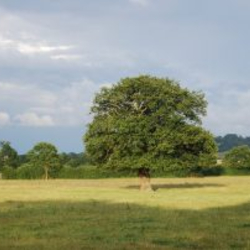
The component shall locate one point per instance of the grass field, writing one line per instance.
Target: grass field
(182, 213)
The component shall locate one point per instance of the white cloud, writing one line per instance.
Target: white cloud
(66, 57)
(33, 119)
(26, 47)
(74, 102)
(30, 49)
(203, 50)
(229, 113)
(140, 2)
(36, 106)
(4, 119)
(5, 43)
(25, 95)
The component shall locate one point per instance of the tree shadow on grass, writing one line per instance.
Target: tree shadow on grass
(102, 225)
(184, 185)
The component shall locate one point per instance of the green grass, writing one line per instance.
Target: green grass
(183, 213)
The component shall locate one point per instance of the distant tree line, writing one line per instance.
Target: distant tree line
(42, 161)
(230, 141)
(10, 157)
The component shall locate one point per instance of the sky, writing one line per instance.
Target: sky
(55, 55)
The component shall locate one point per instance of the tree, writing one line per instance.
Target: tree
(147, 123)
(8, 155)
(238, 158)
(230, 141)
(44, 155)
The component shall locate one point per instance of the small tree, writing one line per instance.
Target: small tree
(238, 158)
(8, 155)
(44, 155)
(147, 123)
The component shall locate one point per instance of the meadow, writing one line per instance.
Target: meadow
(181, 213)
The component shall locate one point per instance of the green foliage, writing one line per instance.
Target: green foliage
(44, 155)
(230, 141)
(152, 123)
(8, 155)
(73, 159)
(90, 172)
(29, 171)
(238, 158)
(23, 159)
(25, 171)
(8, 173)
(236, 172)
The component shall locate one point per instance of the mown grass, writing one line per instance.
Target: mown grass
(191, 213)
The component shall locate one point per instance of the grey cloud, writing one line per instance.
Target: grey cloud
(32, 105)
(4, 119)
(34, 120)
(49, 47)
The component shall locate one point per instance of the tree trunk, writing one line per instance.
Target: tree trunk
(46, 169)
(144, 176)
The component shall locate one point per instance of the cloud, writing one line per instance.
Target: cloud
(140, 2)
(27, 48)
(4, 119)
(45, 54)
(66, 57)
(21, 95)
(33, 105)
(34, 120)
(39, 48)
(228, 112)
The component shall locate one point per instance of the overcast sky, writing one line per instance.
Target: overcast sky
(54, 55)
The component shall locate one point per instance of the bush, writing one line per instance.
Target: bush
(29, 171)
(93, 172)
(236, 172)
(211, 171)
(238, 158)
(90, 172)
(8, 173)
(26, 171)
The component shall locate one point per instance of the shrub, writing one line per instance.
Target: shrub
(8, 173)
(238, 158)
(89, 172)
(29, 171)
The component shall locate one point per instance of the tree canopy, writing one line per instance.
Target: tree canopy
(8, 155)
(44, 155)
(149, 123)
(238, 158)
(230, 141)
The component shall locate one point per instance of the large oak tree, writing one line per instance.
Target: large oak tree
(147, 123)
